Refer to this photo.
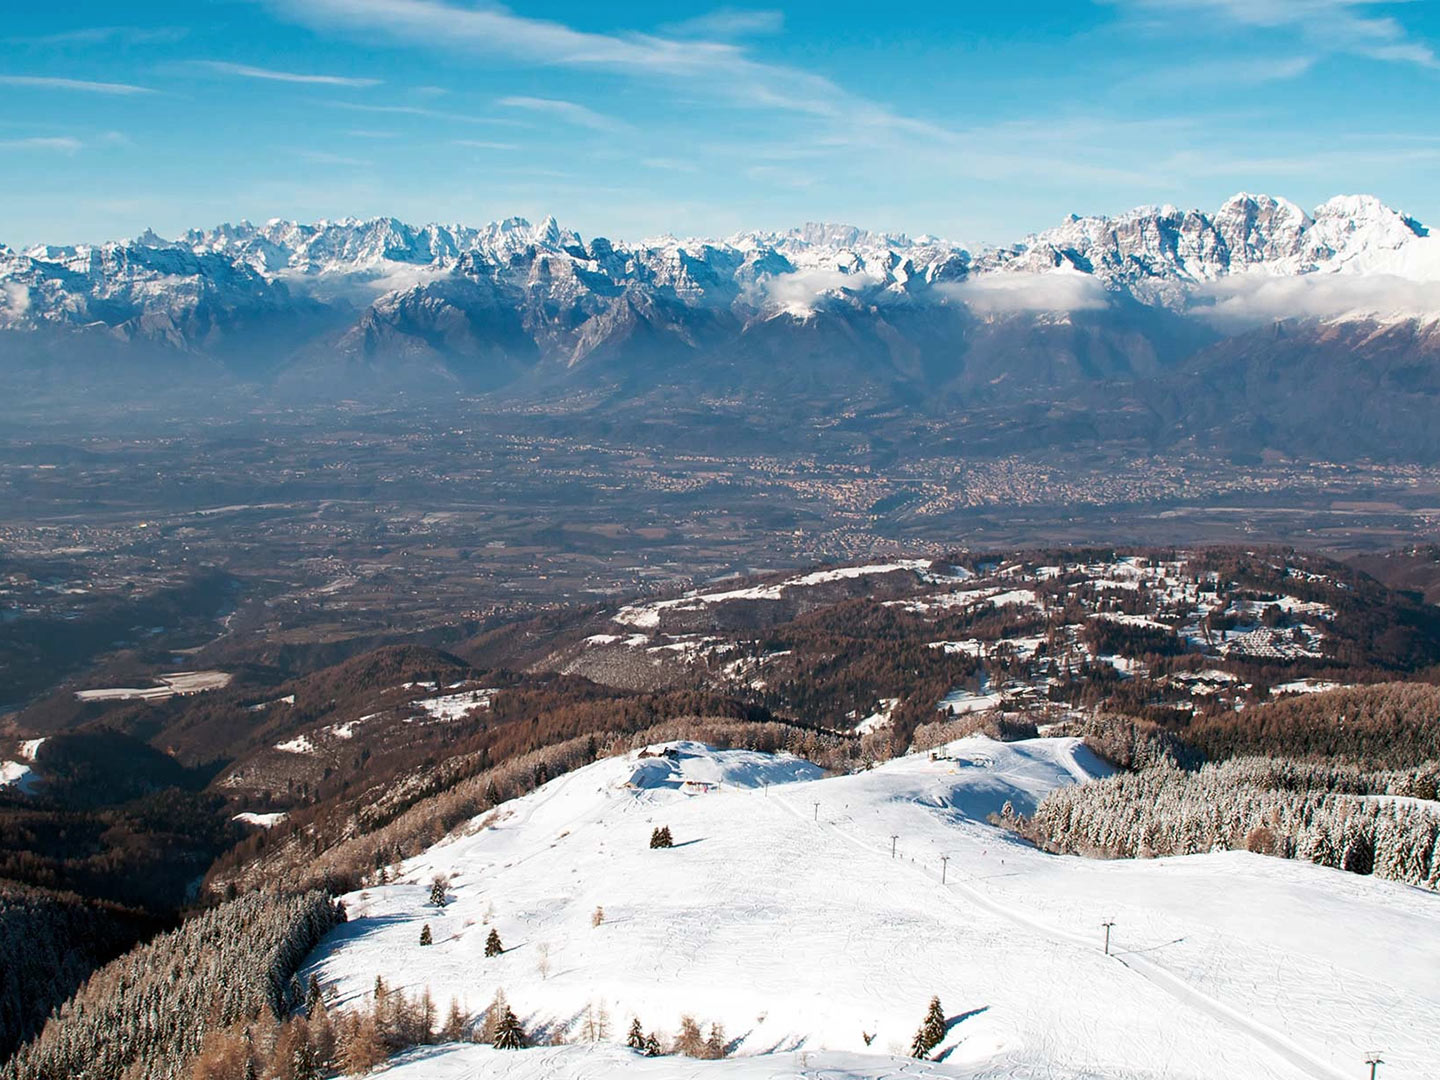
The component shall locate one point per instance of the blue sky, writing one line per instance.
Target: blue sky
(975, 121)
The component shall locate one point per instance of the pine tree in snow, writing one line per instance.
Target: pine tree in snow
(437, 891)
(492, 943)
(313, 997)
(636, 1039)
(660, 838)
(652, 1045)
(918, 1049)
(509, 1035)
(303, 1065)
(425, 938)
(935, 1023)
(931, 1033)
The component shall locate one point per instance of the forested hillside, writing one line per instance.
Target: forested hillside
(146, 1015)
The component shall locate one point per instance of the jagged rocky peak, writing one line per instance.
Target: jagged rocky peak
(1260, 228)
(151, 239)
(822, 234)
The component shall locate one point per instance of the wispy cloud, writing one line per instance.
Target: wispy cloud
(430, 114)
(1249, 71)
(722, 70)
(482, 144)
(50, 82)
(1329, 26)
(246, 71)
(108, 35)
(63, 143)
(670, 164)
(829, 121)
(568, 111)
(713, 73)
(322, 157)
(728, 23)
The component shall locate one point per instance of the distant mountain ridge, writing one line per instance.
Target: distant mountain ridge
(828, 312)
(1146, 253)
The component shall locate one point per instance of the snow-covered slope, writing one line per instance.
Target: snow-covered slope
(781, 913)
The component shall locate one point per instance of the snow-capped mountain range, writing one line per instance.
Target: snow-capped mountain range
(1155, 255)
(1179, 307)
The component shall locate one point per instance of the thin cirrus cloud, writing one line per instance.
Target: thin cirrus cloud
(728, 23)
(62, 143)
(567, 111)
(1328, 26)
(429, 114)
(108, 35)
(722, 69)
(1248, 71)
(50, 82)
(716, 73)
(247, 71)
(321, 157)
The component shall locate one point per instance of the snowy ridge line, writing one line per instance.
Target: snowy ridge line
(1176, 987)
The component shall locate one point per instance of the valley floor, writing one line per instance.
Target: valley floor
(781, 914)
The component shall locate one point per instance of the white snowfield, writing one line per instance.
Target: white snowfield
(781, 913)
(264, 821)
(456, 706)
(647, 616)
(18, 775)
(182, 683)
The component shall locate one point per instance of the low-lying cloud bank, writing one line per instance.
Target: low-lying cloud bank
(1006, 293)
(799, 292)
(1256, 297)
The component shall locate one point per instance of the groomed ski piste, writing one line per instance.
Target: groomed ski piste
(781, 913)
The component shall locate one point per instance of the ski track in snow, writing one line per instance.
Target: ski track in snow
(1272, 1040)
